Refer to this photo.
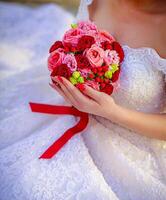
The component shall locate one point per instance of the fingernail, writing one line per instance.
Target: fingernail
(53, 81)
(51, 85)
(60, 79)
(81, 87)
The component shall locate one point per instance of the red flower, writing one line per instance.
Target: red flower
(102, 85)
(100, 73)
(107, 80)
(61, 70)
(105, 68)
(91, 76)
(81, 87)
(98, 79)
(108, 89)
(67, 47)
(106, 45)
(56, 45)
(54, 60)
(99, 69)
(115, 76)
(117, 47)
(94, 70)
(82, 61)
(85, 42)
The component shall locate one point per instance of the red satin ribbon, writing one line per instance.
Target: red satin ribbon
(53, 109)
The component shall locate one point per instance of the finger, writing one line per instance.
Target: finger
(64, 84)
(74, 91)
(55, 87)
(81, 100)
(94, 94)
(65, 91)
(58, 89)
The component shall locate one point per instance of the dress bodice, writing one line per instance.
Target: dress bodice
(142, 80)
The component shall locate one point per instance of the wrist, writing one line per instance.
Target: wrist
(113, 113)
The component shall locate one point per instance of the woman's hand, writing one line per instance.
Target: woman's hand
(89, 100)
(101, 104)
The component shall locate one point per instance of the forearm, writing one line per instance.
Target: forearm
(150, 125)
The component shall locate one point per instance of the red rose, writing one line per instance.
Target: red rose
(54, 60)
(61, 70)
(67, 47)
(85, 42)
(108, 89)
(56, 45)
(115, 76)
(117, 47)
(106, 45)
(82, 61)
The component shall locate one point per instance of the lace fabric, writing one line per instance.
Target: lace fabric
(83, 13)
(59, 178)
(107, 161)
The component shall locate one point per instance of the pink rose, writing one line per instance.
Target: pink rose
(72, 36)
(55, 59)
(70, 61)
(104, 36)
(87, 26)
(85, 72)
(95, 56)
(111, 57)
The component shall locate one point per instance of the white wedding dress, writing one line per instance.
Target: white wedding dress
(106, 161)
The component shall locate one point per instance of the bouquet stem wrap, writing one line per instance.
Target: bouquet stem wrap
(54, 109)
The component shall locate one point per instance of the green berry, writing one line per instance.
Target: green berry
(74, 25)
(108, 74)
(73, 80)
(76, 75)
(80, 79)
(113, 67)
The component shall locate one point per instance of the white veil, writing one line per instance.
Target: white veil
(83, 13)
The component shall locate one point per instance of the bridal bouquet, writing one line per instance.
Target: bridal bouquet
(87, 55)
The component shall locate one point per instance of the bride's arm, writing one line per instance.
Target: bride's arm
(101, 104)
(151, 125)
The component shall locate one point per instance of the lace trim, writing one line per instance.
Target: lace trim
(158, 62)
(83, 13)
